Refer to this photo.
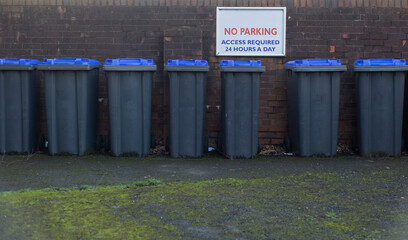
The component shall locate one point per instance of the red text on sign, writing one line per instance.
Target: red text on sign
(229, 31)
(251, 31)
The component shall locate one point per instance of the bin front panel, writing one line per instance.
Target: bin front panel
(18, 111)
(130, 97)
(313, 112)
(319, 113)
(71, 110)
(240, 110)
(187, 113)
(381, 96)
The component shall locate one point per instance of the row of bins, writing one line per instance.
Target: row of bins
(71, 103)
(313, 93)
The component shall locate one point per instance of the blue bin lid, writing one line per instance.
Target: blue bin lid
(70, 61)
(241, 63)
(129, 61)
(380, 62)
(186, 62)
(314, 62)
(19, 61)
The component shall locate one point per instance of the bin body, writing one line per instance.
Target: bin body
(19, 85)
(380, 88)
(188, 80)
(129, 84)
(313, 99)
(71, 104)
(240, 81)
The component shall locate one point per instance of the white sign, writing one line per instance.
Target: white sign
(251, 31)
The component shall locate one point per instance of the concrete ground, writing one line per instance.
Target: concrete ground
(270, 197)
(41, 171)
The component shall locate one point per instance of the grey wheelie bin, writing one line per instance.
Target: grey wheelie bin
(240, 82)
(188, 80)
(71, 103)
(313, 97)
(19, 84)
(129, 83)
(380, 90)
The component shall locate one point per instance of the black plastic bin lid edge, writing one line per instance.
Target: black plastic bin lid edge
(182, 68)
(130, 68)
(398, 68)
(66, 67)
(341, 68)
(242, 69)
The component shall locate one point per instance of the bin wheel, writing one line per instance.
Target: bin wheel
(286, 144)
(152, 141)
(205, 144)
(41, 142)
(167, 145)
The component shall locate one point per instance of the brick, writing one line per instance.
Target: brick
(264, 3)
(19, 2)
(378, 35)
(345, 3)
(344, 33)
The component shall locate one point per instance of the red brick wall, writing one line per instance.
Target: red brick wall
(100, 29)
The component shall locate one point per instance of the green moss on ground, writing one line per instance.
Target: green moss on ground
(307, 206)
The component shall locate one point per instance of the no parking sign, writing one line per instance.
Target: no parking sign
(251, 31)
